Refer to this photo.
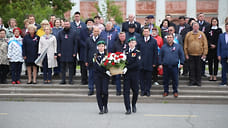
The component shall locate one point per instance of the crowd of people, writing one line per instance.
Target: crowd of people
(59, 45)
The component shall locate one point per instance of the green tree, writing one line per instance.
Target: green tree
(41, 9)
(112, 11)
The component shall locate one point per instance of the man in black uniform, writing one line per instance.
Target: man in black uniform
(131, 77)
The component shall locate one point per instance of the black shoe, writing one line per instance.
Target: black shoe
(142, 93)
(148, 94)
(203, 75)
(118, 93)
(71, 82)
(29, 82)
(128, 112)
(106, 109)
(198, 84)
(84, 83)
(62, 82)
(90, 93)
(133, 108)
(101, 112)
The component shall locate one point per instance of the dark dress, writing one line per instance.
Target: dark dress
(30, 49)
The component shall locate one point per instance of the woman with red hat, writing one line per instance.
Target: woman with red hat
(15, 55)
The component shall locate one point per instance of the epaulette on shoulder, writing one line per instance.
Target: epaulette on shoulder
(137, 50)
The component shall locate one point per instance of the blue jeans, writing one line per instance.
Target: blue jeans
(16, 70)
(170, 71)
(224, 70)
(91, 79)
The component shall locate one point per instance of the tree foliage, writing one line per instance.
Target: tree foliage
(41, 9)
(112, 11)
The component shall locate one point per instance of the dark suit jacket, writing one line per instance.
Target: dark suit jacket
(222, 48)
(149, 54)
(137, 27)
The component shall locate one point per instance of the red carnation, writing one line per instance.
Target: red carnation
(118, 53)
(109, 54)
(116, 58)
(121, 56)
(105, 64)
(106, 61)
(113, 63)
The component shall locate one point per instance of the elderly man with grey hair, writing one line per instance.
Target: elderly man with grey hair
(110, 35)
(131, 20)
(195, 49)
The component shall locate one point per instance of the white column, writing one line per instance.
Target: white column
(103, 7)
(191, 8)
(160, 11)
(131, 7)
(222, 12)
(75, 8)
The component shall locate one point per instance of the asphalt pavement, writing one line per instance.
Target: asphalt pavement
(85, 115)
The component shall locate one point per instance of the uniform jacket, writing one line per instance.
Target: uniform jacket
(15, 49)
(149, 54)
(222, 49)
(171, 55)
(91, 49)
(49, 43)
(110, 37)
(98, 69)
(30, 48)
(137, 26)
(67, 45)
(3, 52)
(195, 44)
(133, 60)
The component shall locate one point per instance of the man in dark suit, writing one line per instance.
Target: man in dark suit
(32, 20)
(67, 50)
(149, 56)
(80, 28)
(203, 26)
(131, 20)
(91, 49)
(182, 25)
(222, 53)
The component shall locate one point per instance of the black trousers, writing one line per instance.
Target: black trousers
(83, 69)
(101, 82)
(145, 81)
(64, 66)
(186, 66)
(155, 74)
(195, 64)
(213, 62)
(4, 70)
(131, 81)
